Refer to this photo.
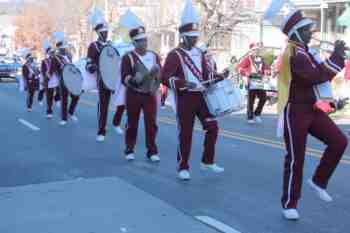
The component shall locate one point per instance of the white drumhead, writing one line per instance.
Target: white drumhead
(72, 79)
(109, 64)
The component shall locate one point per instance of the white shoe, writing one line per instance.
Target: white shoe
(100, 138)
(184, 175)
(63, 122)
(212, 167)
(155, 158)
(163, 107)
(74, 118)
(290, 214)
(29, 109)
(251, 121)
(58, 104)
(49, 116)
(130, 157)
(118, 130)
(41, 103)
(321, 193)
(258, 119)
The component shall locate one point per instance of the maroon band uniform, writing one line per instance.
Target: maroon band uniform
(56, 67)
(301, 119)
(30, 80)
(104, 93)
(137, 101)
(189, 104)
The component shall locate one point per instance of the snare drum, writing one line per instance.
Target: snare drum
(223, 98)
(256, 82)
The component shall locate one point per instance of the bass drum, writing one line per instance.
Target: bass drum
(109, 63)
(72, 79)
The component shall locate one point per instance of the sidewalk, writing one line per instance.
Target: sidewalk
(103, 205)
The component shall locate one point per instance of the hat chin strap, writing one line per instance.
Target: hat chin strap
(299, 37)
(185, 40)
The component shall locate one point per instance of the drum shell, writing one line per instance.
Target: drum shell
(72, 79)
(223, 98)
(109, 66)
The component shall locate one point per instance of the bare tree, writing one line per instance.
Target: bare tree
(220, 17)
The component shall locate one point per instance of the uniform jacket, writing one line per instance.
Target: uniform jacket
(173, 75)
(308, 72)
(128, 70)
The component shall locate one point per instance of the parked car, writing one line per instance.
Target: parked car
(9, 68)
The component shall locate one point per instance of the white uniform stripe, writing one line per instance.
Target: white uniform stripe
(290, 179)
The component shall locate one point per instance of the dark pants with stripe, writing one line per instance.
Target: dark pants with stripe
(252, 95)
(190, 105)
(41, 95)
(64, 105)
(49, 99)
(104, 95)
(31, 88)
(135, 103)
(299, 121)
(57, 94)
(118, 115)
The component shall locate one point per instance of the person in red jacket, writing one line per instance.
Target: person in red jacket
(254, 68)
(184, 70)
(304, 113)
(137, 98)
(29, 74)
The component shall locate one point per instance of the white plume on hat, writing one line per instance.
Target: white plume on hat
(134, 24)
(130, 21)
(190, 17)
(189, 14)
(96, 17)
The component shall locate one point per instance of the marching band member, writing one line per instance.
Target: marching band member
(58, 61)
(304, 113)
(100, 26)
(137, 98)
(29, 74)
(253, 68)
(50, 82)
(184, 69)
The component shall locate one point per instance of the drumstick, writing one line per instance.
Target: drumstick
(209, 81)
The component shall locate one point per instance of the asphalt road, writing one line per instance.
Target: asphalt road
(245, 197)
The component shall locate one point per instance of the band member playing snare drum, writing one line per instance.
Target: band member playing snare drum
(187, 87)
(58, 61)
(140, 72)
(93, 55)
(254, 69)
(303, 112)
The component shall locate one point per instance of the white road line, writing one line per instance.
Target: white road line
(216, 224)
(28, 124)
